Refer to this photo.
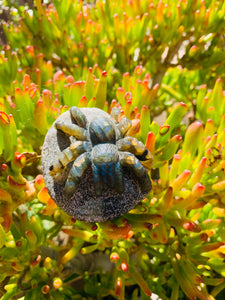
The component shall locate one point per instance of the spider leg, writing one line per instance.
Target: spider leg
(132, 145)
(72, 129)
(130, 161)
(77, 116)
(76, 172)
(67, 155)
(115, 113)
(124, 125)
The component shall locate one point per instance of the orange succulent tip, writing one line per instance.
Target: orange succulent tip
(51, 203)
(124, 267)
(119, 232)
(191, 226)
(144, 108)
(136, 109)
(4, 119)
(21, 159)
(193, 48)
(181, 180)
(212, 246)
(36, 261)
(204, 236)
(104, 73)
(210, 109)
(207, 139)
(79, 83)
(203, 86)
(203, 160)
(219, 146)
(73, 220)
(70, 79)
(83, 102)
(6, 48)
(29, 233)
(164, 129)
(128, 97)
(6, 224)
(120, 90)
(129, 235)
(210, 121)
(40, 55)
(43, 195)
(127, 74)
(138, 70)
(30, 49)
(138, 116)
(26, 80)
(114, 257)
(15, 184)
(119, 284)
(57, 282)
(32, 91)
(177, 157)
(208, 221)
(113, 103)
(39, 180)
(198, 189)
(218, 80)
(59, 75)
(138, 81)
(94, 227)
(219, 186)
(150, 142)
(177, 137)
(16, 266)
(148, 226)
(125, 222)
(113, 226)
(19, 244)
(45, 289)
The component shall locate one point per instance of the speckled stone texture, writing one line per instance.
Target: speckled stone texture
(84, 205)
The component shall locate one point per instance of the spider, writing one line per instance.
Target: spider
(102, 144)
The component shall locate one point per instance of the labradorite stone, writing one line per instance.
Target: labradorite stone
(84, 205)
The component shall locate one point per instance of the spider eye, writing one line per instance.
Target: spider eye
(51, 168)
(102, 131)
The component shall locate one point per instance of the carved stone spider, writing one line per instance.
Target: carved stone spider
(102, 145)
(92, 168)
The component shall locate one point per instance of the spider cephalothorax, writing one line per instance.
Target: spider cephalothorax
(97, 153)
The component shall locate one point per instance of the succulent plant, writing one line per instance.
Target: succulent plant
(170, 244)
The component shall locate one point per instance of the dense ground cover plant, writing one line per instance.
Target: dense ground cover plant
(102, 54)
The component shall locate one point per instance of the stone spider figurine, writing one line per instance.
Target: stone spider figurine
(93, 170)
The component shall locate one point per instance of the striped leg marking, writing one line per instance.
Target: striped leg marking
(76, 172)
